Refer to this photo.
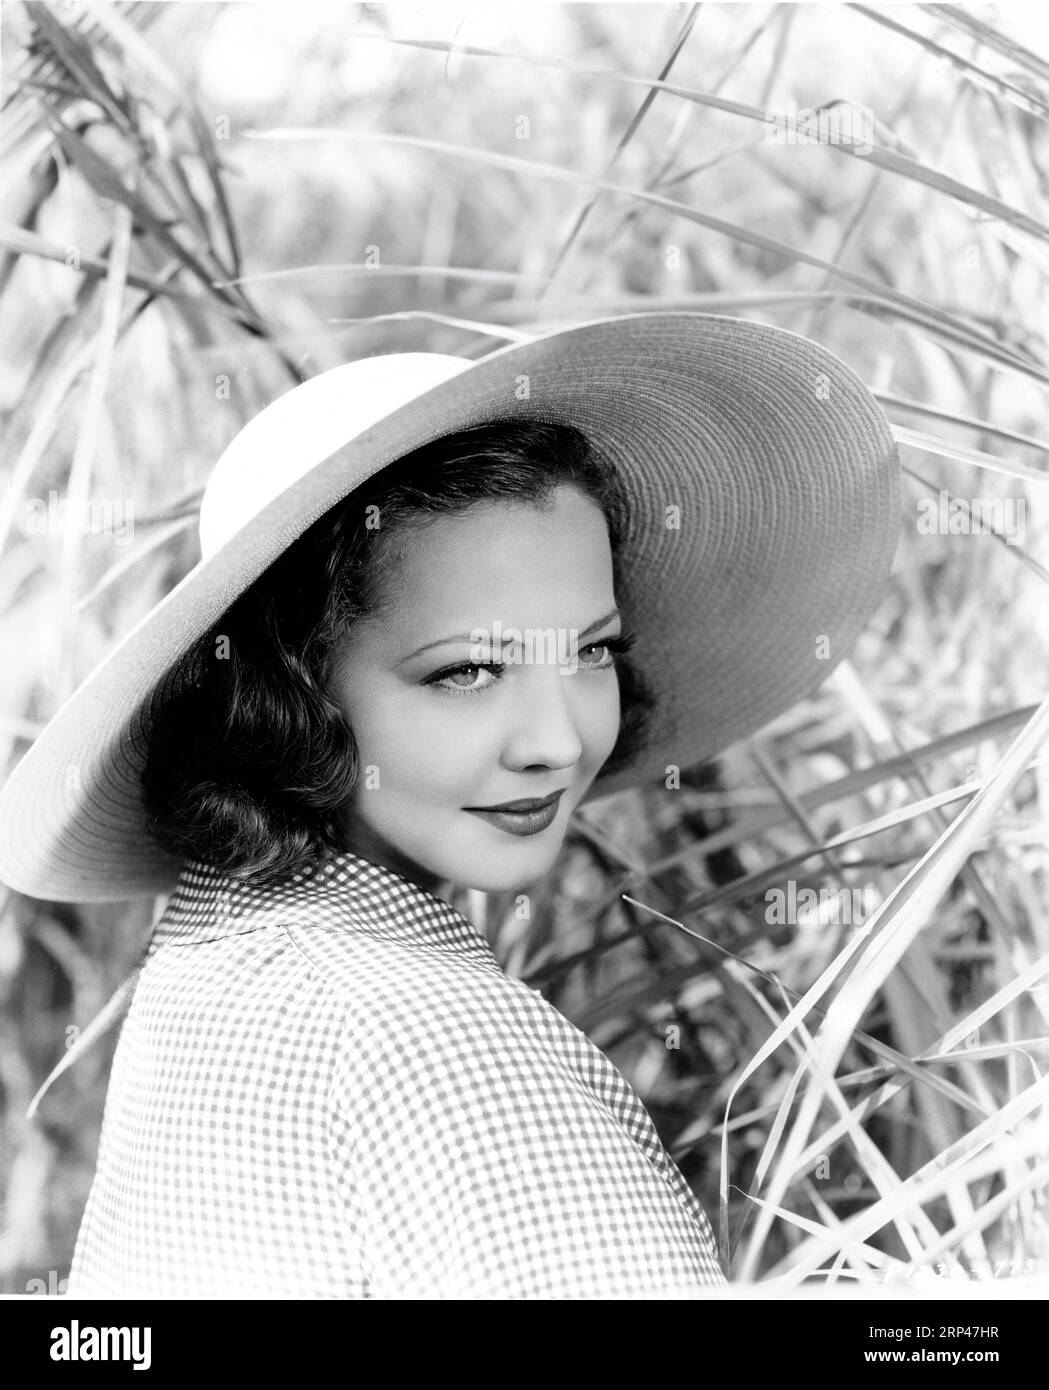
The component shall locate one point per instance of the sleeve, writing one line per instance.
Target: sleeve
(499, 1154)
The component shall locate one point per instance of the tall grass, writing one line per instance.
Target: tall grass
(823, 960)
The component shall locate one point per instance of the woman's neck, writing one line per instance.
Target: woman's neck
(362, 840)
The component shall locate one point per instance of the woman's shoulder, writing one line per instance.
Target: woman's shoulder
(386, 983)
(437, 1019)
(379, 967)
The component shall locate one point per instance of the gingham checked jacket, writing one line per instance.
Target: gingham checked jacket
(332, 1090)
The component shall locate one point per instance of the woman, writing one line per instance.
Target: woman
(408, 619)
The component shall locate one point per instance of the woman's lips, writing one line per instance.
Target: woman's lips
(520, 822)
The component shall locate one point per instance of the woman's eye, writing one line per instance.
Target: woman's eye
(465, 671)
(606, 660)
(468, 685)
(463, 678)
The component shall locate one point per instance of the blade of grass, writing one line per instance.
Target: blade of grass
(74, 54)
(22, 242)
(967, 22)
(880, 1049)
(633, 126)
(988, 1211)
(929, 410)
(910, 1226)
(950, 333)
(990, 1052)
(472, 274)
(849, 785)
(135, 48)
(980, 528)
(489, 330)
(1028, 102)
(155, 542)
(961, 453)
(733, 231)
(889, 932)
(78, 485)
(869, 150)
(929, 1181)
(967, 1027)
(856, 1249)
(761, 821)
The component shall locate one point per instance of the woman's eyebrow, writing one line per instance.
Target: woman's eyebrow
(472, 636)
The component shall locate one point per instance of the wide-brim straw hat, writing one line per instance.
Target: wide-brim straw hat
(781, 465)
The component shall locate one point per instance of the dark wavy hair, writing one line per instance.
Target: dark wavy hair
(250, 763)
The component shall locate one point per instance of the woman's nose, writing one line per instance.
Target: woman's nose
(543, 722)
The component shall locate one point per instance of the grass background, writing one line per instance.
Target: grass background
(207, 203)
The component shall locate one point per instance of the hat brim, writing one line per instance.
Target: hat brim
(763, 488)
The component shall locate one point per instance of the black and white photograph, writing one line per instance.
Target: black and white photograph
(525, 687)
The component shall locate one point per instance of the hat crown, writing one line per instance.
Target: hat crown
(306, 425)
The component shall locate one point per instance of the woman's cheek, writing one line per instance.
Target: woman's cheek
(438, 725)
(611, 711)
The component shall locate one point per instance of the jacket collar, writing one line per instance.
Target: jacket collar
(344, 892)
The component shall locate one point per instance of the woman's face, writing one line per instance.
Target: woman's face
(436, 744)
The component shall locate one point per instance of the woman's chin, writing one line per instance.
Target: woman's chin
(516, 867)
